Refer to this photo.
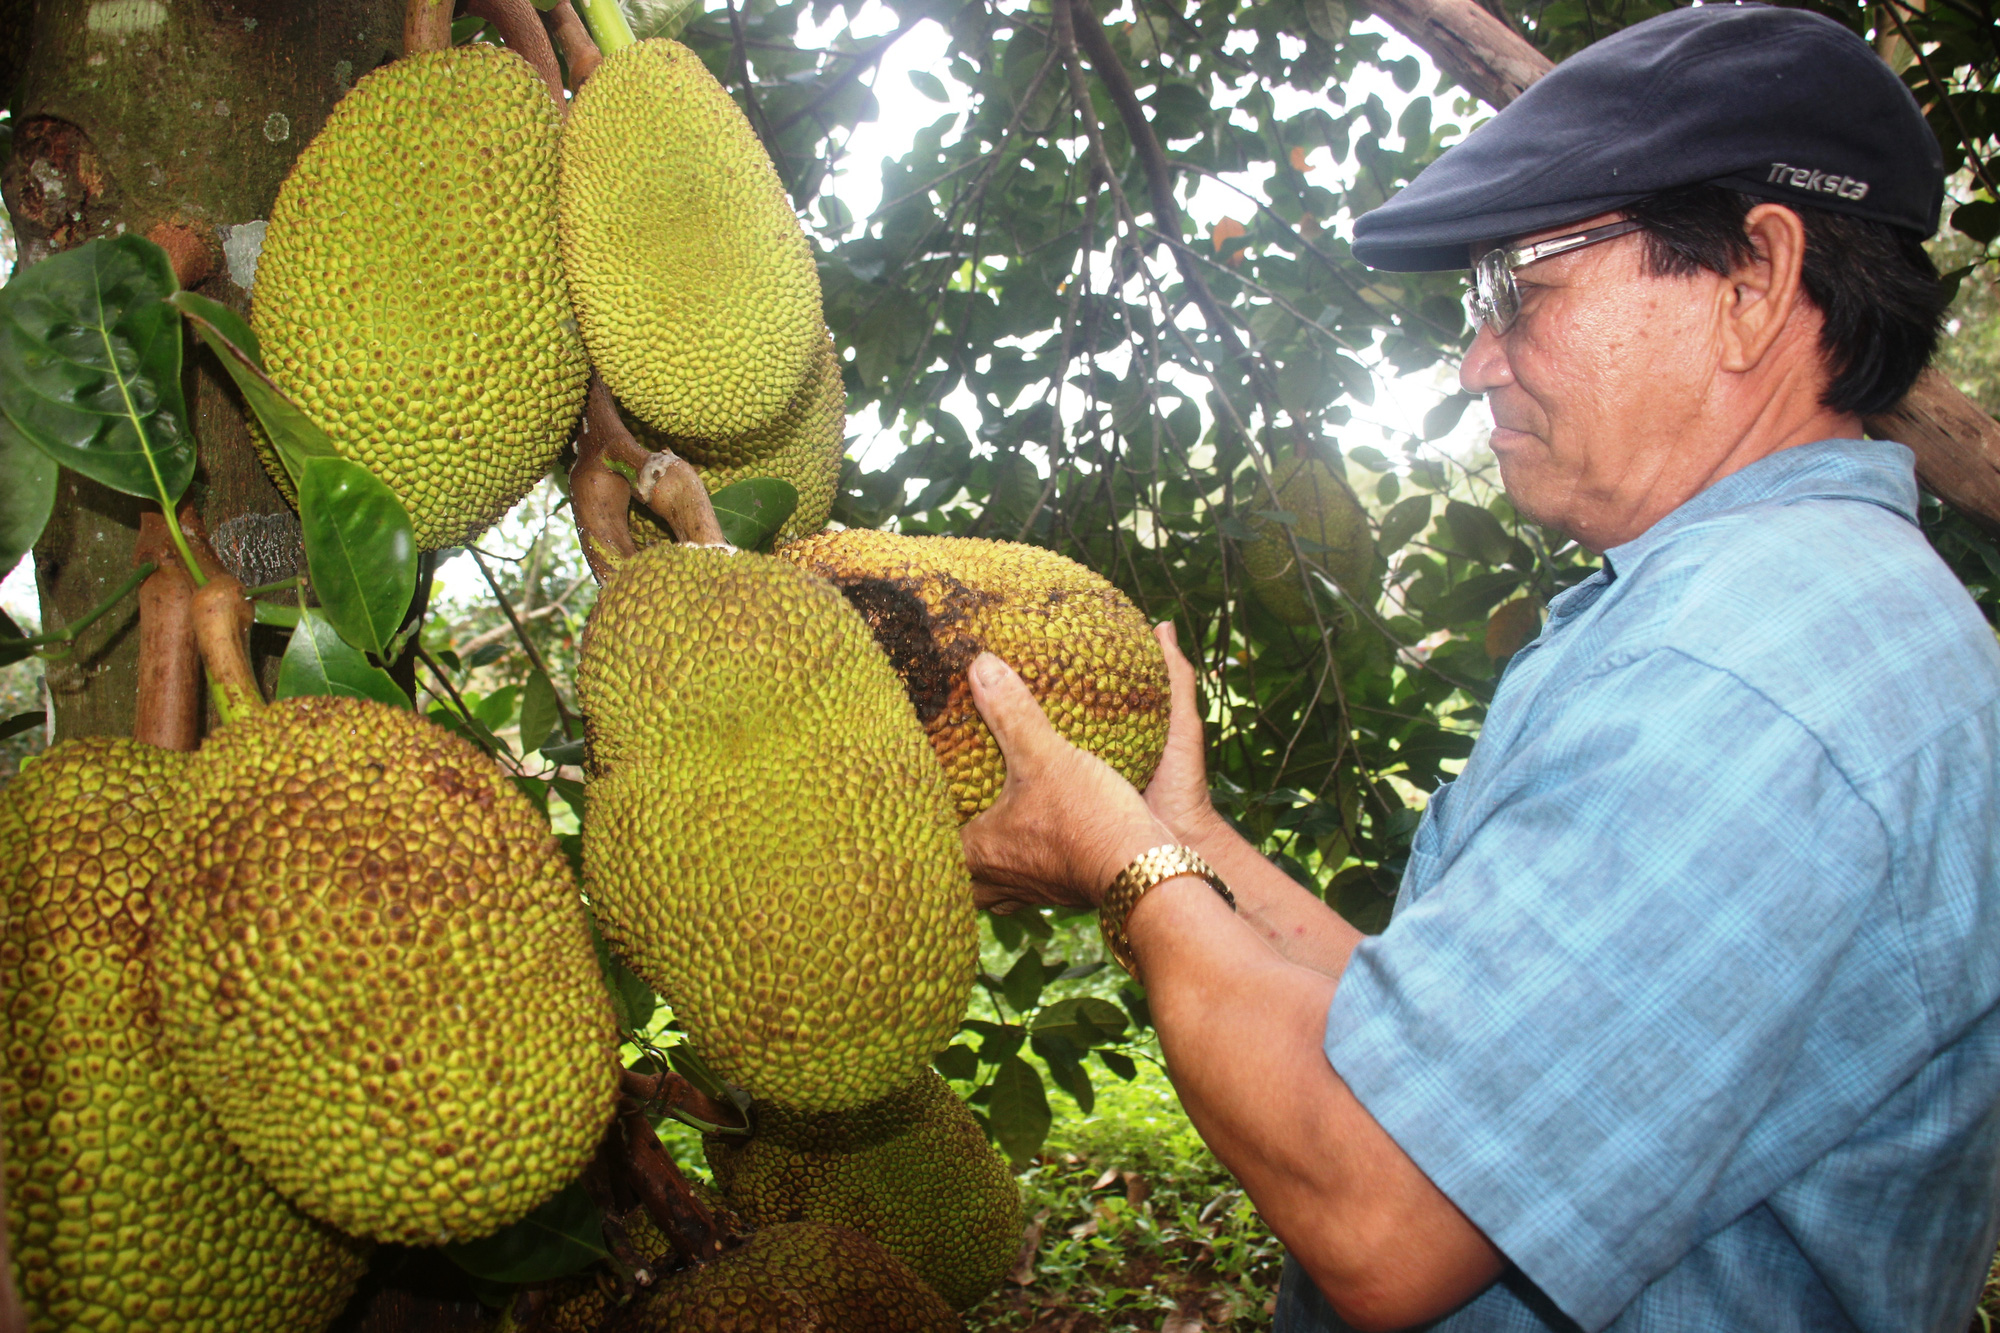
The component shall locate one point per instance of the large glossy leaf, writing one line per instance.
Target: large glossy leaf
(752, 510)
(27, 494)
(563, 1236)
(319, 661)
(360, 549)
(1084, 1020)
(538, 712)
(90, 365)
(234, 343)
(1018, 1110)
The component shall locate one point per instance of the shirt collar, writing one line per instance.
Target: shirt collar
(1879, 472)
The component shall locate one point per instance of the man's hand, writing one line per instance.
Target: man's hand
(1178, 793)
(1065, 823)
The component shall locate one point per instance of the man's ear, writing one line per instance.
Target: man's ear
(1764, 290)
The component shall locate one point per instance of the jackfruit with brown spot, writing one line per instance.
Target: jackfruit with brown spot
(379, 975)
(127, 1208)
(935, 602)
(694, 285)
(804, 446)
(1331, 531)
(410, 295)
(769, 842)
(913, 1171)
(799, 1277)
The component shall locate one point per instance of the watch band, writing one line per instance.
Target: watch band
(1149, 868)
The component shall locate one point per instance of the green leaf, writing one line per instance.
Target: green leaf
(1022, 985)
(538, 712)
(1441, 420)
(1477, 533)
(752, 510)
(957, 1061)
(90, 366)
(319, 661)
(496, 710)
(659, 20)
(1018, 1110)
(1403, 522)
(1070, 1076)
(1120, 1064)
(630, 995)
(27, 495)
(930, 85)
(569, 752)
(277, 614)
(1083, 1020)
(563, 1236)
(235, 345)
(21, 722)
(359, 549)
(1006, 929)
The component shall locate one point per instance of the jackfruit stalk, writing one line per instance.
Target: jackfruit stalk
(769, 842)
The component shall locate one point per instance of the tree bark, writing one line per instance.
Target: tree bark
(181, 113)
(1956, 444)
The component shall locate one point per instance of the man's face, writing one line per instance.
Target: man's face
(1597, 389)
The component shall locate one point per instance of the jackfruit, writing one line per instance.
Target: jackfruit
(769, 842)
(694, 285)
(1331, 529)
(803, 446)
(1079, 643)
(127, 1207)
(801, 1277)
(912, 1171)
(410, 295)
(378, 974)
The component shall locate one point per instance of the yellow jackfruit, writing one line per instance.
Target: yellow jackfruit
(410, 297)
(378, 973)
(912, 1171)
(769, 842)
(1079, 643)
(801, 1277)
(803, 446)
(694, 285)
(1332, 533)
(127, 1207)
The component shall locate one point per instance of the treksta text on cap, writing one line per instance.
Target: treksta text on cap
(1777, 103)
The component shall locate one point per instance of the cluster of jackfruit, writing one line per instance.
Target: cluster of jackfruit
(1329, 531)
(935, 602)
(325, 982)
(448, 261)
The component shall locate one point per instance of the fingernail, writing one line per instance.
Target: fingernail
(988, 670)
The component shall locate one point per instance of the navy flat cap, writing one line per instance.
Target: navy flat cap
(1778, 103)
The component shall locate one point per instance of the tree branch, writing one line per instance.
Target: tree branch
(863, 62)
(426, 26)
(1483, 55)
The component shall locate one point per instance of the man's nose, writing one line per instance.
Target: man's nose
(1485, 366)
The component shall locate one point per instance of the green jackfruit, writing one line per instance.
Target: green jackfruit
(913, 1171)
(1331, 530)
(801, 1277)
(1079, 643)
(127, 1207)
(803, 446)
(378, 973)
(694, 285)
(769, 842)
(410, 297)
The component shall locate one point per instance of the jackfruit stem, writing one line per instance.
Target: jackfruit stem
(520, 27)
(568, 32)
(663, 1190)
(679, 1095)
(180, 542)
(222, 621)
(666, 483)
(599, 497)
(169, 702)
(607, 24)
(426, 26)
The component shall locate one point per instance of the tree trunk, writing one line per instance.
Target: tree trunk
(139, 116)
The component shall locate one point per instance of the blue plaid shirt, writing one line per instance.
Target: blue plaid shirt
(1689, 1001)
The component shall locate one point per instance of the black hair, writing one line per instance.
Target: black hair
(1880, 302)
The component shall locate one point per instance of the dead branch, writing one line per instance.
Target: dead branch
(426, 26)
(169, 700)
(520, 27)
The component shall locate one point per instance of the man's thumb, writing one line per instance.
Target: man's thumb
(1009, 707)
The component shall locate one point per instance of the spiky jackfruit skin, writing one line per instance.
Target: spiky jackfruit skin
(803, 446)
(410, 296)
(935, 602)
(126, 1205)
(694, 285)
(801, 1277)
(378, 973)
(912, 1171)
(1332, 533)
(769, 841)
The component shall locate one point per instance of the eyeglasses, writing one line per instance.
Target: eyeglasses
(1494, 300)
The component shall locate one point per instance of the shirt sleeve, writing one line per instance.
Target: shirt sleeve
(1588, 1031)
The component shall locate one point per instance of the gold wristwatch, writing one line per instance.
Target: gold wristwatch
(1149, 868)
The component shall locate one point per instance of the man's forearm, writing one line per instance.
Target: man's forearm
(1287, 915)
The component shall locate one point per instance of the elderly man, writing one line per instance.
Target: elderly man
(1686, 1019)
